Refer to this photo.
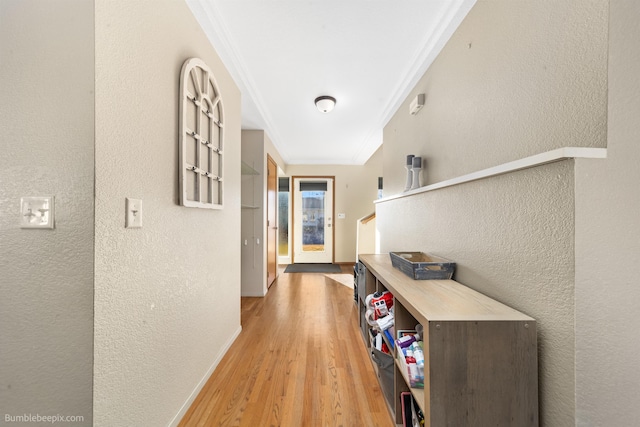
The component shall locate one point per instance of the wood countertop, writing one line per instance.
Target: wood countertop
(438, 300)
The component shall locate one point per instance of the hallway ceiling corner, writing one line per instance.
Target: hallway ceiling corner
(367, 54)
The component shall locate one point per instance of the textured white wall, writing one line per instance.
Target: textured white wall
(608, 245)
(272, 151)
(512, 239)
(46, 276)
(356, 187)
(533, 79)
(167, 296)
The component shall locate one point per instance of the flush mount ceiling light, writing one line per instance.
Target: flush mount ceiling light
(325, 103)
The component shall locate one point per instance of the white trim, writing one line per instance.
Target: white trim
(451, 16)
(284, 260)
(516, 165)
(220, 37)
(187, 404)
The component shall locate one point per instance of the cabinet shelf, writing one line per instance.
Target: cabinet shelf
(245, 169)
(466, 335)
(418, 393)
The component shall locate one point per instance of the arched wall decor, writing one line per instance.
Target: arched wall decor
(201, 137)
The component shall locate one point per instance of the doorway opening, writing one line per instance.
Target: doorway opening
(313, 232)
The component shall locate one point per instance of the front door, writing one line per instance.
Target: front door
(313, 219)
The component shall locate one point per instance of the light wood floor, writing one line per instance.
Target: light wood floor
(299, 361)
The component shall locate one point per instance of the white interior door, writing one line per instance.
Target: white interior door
(313, 220)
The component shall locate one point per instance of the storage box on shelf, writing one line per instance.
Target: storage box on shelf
(480, 355)
(421, 266)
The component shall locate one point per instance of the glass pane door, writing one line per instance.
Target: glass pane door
(312, 218)
(313, 207)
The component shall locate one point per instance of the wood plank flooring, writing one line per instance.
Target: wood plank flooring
(299, 361)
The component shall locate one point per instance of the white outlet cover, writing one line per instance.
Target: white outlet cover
(133, 217)
(37, 212)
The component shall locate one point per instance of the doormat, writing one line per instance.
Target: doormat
(312, 268)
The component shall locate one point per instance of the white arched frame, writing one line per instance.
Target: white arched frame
(201, 137)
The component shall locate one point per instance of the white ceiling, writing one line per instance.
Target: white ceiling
(368, 54)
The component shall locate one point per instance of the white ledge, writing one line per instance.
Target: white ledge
(528, 162)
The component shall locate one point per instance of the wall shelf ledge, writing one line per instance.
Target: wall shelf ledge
(516, 165)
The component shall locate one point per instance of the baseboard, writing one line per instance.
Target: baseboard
(185, 407)
(284, 260)
(252, 295)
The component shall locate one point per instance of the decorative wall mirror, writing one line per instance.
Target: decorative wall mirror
(201, 137)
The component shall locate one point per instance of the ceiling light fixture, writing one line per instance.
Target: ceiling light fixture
(325, 103)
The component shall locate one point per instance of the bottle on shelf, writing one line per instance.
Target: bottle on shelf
(407, 340)
(418, 354)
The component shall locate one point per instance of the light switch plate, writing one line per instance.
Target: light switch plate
(133, 218)
(342, 216)
(37, 212)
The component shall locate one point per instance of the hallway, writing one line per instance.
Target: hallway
(299, 361)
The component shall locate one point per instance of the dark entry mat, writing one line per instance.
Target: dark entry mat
(312, 268)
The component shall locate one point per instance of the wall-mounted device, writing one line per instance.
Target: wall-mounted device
(416, 104)
(37, 212)
(133, 218)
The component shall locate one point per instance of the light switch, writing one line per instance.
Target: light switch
(37, 212)
(342, 216)
(134, 213)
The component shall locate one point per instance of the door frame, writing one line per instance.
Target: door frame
(285, 259)
(333, 213)
(272, 229)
